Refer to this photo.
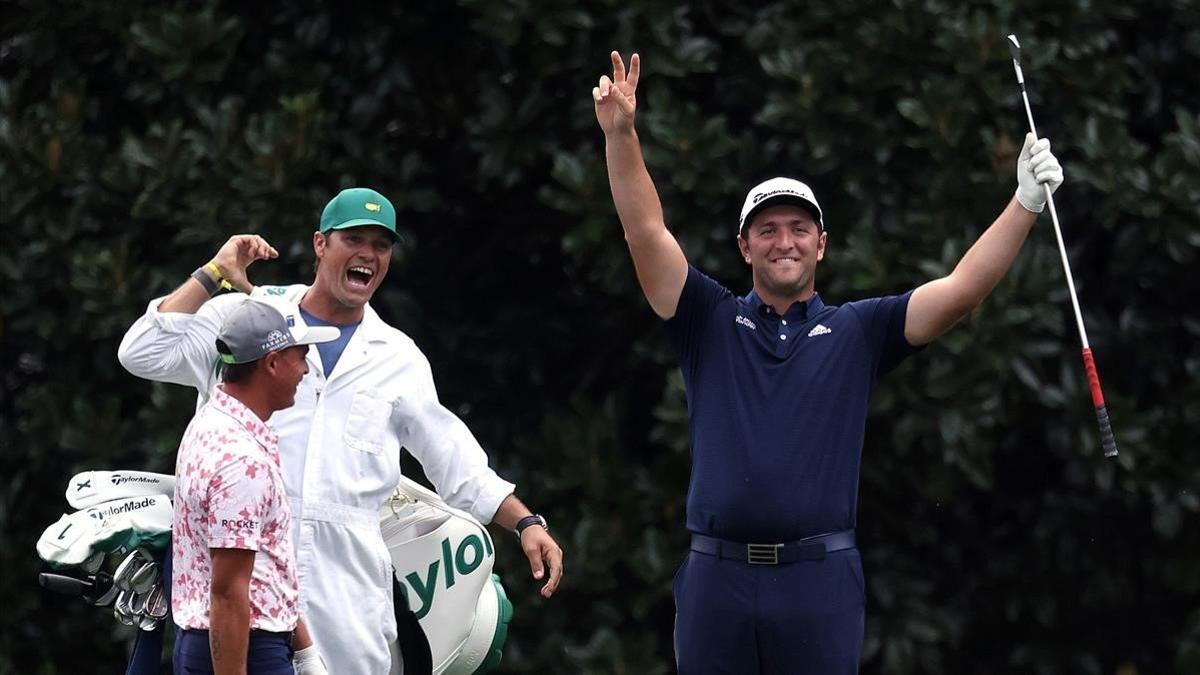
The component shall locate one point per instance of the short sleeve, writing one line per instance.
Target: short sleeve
(883, 328)
(701, 295)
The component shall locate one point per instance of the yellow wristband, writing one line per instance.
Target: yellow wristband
(216, 272)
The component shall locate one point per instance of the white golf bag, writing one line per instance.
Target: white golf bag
(443, 560)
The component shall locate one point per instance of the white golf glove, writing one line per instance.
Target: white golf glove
(1036, 166)
(308, 661)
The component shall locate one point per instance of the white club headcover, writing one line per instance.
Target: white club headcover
(96, 487)
(117, 525)
(443, 559)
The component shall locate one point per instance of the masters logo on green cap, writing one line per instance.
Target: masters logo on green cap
(355, 207)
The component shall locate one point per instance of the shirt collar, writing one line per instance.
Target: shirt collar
(245, 418)
(372, 327)
(314, 320)
(799, 310)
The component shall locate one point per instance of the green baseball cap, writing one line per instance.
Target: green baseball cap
(355, 207)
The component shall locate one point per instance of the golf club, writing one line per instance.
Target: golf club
(1107, 440)
(96, 589)
(144, 578)
(130, 564)
(110, 594)
(122, 609)
(147, 622)
(156, 604)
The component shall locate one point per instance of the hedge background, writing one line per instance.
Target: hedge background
(135, 137)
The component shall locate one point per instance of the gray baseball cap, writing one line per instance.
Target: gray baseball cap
(257, 328)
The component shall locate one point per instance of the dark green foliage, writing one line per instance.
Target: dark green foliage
(136, 137)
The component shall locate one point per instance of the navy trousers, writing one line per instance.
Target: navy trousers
(799, 618)
(268, 653)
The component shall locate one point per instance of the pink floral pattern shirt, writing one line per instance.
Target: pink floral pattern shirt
(229, 494)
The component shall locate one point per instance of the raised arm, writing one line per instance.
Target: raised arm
(173, 340)
(659, 261)
(938, 304)
(229, 265)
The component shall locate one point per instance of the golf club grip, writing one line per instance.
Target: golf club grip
(63, 584)
(1107, 440)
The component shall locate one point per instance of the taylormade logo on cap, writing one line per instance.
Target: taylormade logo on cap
(776, 191)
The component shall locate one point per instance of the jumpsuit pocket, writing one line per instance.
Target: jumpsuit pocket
(366, 425)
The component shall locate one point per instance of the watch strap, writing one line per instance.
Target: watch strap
(535, 519)
(209, 284)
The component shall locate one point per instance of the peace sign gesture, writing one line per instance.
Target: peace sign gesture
(615, 99)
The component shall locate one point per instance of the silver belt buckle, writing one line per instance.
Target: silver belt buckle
(763, 554)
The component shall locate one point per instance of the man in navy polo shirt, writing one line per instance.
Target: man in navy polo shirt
(778, 384)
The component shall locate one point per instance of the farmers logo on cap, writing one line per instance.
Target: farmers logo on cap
(372, 206)
(275, 340)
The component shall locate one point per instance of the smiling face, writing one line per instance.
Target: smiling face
(783, 245)
(351, 263)
(286, 368)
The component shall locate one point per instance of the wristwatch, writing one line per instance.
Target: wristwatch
(535, 519)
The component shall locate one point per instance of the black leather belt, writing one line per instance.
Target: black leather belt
(808, 548)
(254, 632)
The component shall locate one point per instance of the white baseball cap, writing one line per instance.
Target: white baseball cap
(777, 191)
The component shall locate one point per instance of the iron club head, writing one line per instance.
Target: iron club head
(144, 578)
(122, 610)
(125, 571)
(156, 604)
(1014, 48)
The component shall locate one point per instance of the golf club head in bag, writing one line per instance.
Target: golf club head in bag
(443, 560)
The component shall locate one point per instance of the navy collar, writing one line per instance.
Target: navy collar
(798, 311)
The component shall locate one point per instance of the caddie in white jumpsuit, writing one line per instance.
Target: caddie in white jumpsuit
(366, 396)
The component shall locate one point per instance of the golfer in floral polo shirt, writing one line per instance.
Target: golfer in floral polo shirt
(234, 586)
